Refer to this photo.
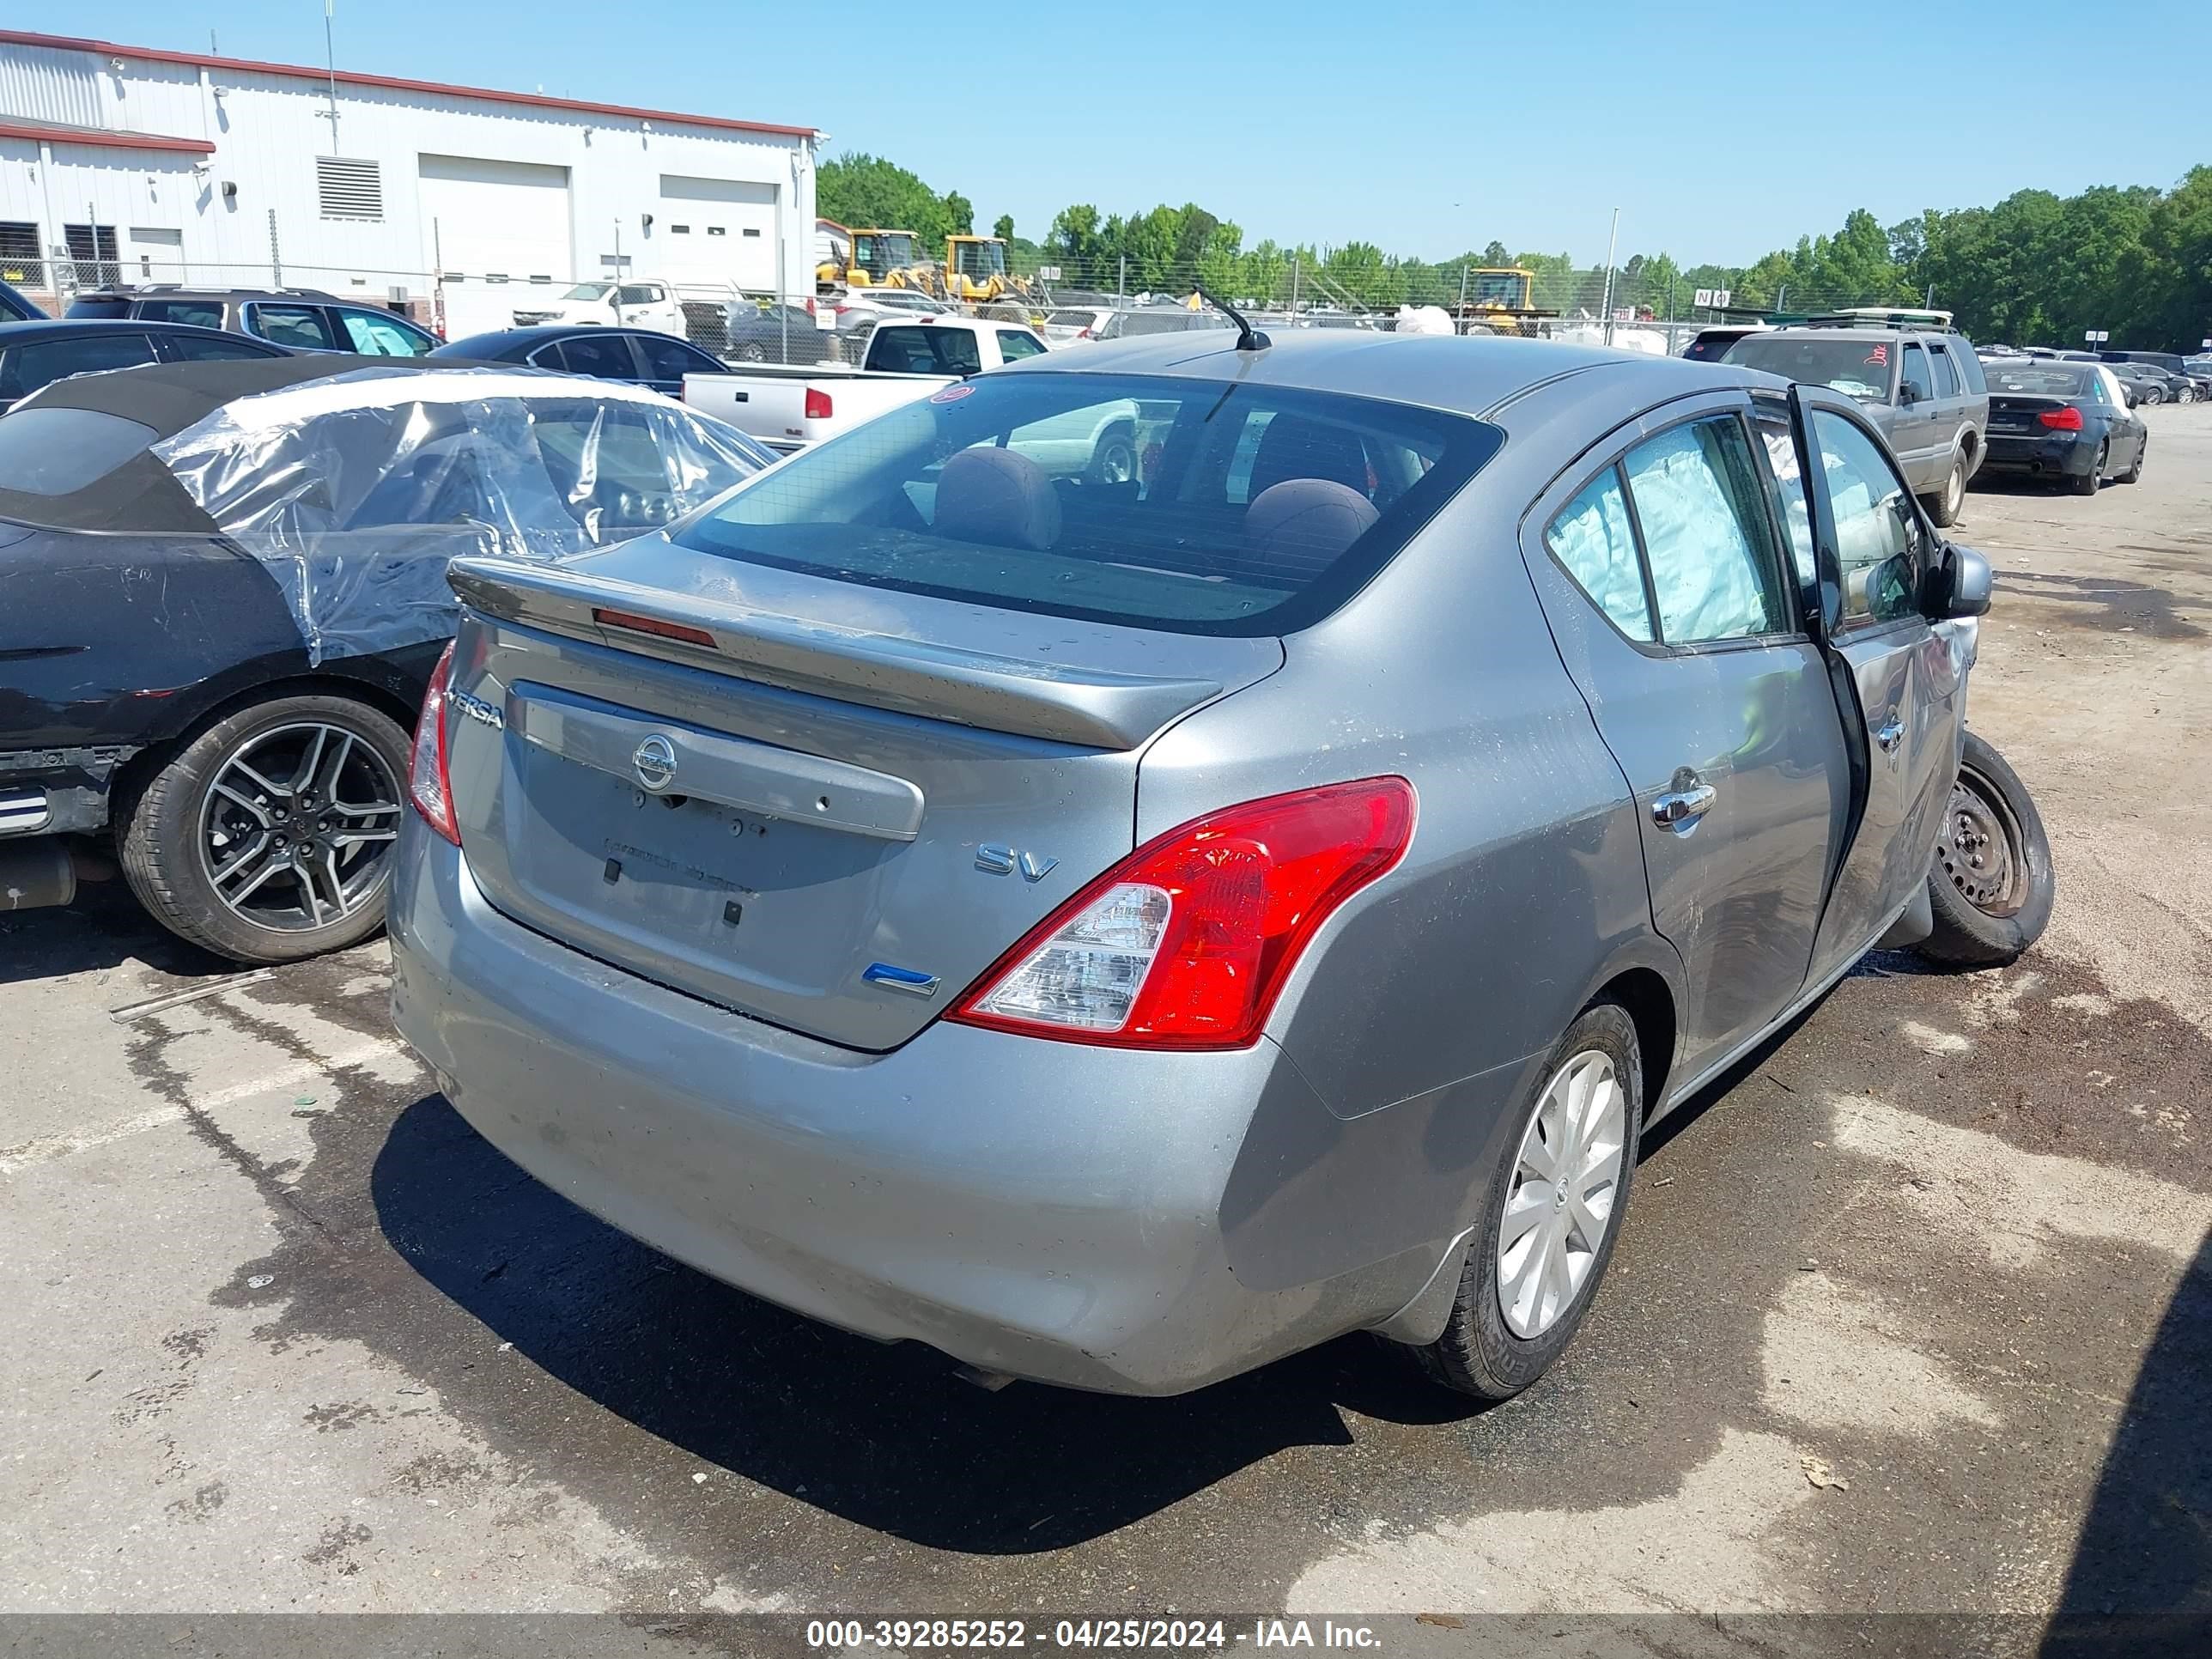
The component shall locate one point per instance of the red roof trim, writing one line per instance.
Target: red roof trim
(104, 140)
(392, 84)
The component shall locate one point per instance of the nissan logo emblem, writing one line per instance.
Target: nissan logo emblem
(655, 763)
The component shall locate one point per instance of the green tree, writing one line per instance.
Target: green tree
(1495, 254)
(959, 214)
(1004, 228)
(868, 192)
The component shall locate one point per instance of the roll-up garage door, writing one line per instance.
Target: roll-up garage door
(716, 231)
(504, 227)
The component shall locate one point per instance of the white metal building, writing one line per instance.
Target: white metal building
(140, 165)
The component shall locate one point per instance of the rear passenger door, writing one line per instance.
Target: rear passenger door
(1661, 572)
(1875, 551)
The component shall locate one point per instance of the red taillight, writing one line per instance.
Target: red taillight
(637, 624)
(818, 406)
(2061, 419)
(429, 785)
(1186, 943)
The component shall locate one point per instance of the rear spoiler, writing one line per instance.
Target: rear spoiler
(1099, 709)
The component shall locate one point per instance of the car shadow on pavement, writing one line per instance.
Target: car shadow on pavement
(2141, 1580)
(105, 927)
(885, 1437)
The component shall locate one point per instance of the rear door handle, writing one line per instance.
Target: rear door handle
(1890, 736)
(1679, 807)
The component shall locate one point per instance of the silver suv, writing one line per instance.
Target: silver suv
(1922, 389)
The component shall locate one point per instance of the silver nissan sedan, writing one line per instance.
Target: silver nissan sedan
(1121, 926)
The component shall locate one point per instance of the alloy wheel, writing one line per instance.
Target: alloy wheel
(296, 829)
(1563, 1194)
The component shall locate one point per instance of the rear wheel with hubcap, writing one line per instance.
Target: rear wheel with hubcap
(268, 836)
(1943, 505)
(2087, 483)
(1554, 1210)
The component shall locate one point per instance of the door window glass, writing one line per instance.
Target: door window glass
(204, 349)
(1947, 380)
(376, 334)
(1015, 344)
(1594, 544)
(639, 294)
(1790, 489)
(671, 359)
(201, 314)
(602, 356)
(292, 325)
(1877, 527)
(1704, 523)
(1916, 386)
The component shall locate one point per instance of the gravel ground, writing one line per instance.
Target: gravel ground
(1913, 1318)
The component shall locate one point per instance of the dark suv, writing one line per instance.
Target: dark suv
(301, 318)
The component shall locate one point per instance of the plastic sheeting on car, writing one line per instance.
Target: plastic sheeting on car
(358, 490)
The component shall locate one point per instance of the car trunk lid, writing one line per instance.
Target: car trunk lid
(816, 804)
(2021, 411)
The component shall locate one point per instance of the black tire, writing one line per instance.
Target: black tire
(1478, 1354)
(2134, 474)
(753, 352)
(1991, 885)
(159, 833)
(1943, 505)
(2087, 483)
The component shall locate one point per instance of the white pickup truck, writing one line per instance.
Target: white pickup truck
(790, 407)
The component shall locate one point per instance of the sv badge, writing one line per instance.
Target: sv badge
(993, 861)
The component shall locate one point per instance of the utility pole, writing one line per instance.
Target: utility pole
(330, 64)
(1294, 288)
(276, 259)
(1121, 283)
(1612, 245)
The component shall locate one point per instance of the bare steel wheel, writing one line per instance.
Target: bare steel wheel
(1991, 887)
(297, 828)
(1976, 850)
(1558, 1207)
(268, 835)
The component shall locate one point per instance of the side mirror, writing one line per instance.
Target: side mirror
(1969, 587)
(1906, 396)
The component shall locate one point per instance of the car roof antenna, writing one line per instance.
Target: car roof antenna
(1248, 337)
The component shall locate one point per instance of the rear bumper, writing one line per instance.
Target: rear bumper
(2053, 453)
(1039, 1208)
(49, 792)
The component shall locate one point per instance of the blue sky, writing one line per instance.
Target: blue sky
(1730, 131)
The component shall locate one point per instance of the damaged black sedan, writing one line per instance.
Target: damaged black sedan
(222, 591)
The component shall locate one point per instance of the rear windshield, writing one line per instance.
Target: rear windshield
(1180, 504)
(2040, 379)
(1710, 347)
(57, 451)
(1857, 368)
(1071, 318)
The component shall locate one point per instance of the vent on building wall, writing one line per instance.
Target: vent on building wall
(348, 190)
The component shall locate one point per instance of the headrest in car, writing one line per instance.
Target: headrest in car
(1301, 525)
(999, 496)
